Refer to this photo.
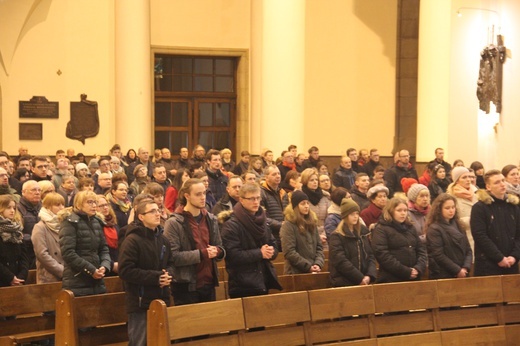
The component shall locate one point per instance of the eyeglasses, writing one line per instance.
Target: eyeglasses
(91, 202)
(252, 199)
(103, 205)
(4, 163)
(4, 175)
(153, 211)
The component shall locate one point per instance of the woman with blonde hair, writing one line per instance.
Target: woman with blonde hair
(396, 245)
(319, 199)
(227, 162)
(14, 264)
(110, 230)
(45, 239)
(300, 238)
(351, 261)
(47, 187)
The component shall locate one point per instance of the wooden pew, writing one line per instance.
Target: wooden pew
(32, 301)
(282, 319)
(306, 282)
(341, 314)
(180, 323)
(511, 294)
(101, 317)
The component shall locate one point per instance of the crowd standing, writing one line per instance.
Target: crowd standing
(162, 224)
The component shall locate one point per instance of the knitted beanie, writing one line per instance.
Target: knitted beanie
(297, 197)
(407, 182)
(348, 206)
(414, 191)
(457, 172)
(81, 165)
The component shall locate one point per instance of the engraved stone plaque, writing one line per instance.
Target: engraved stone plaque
(38, 107)
(30, 131)
(84, 120)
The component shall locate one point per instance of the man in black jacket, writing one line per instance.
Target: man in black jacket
(145, 266)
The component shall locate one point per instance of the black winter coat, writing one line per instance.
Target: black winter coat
(350, 258)
(344, 178)
(249, 273)
(217, 183)
(393, 177)
(13, 261)
(142, 257)
(397, 249)
(448, 250)
(495, 226)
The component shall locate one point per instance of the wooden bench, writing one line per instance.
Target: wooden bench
(28, 303)
(102, 319)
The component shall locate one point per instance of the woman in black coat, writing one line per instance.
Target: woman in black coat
(397, 248)
(449, 252)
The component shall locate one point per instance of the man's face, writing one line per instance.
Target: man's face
(62, 164)
(115, 165)
(353, 155)
(374, 156)
(116, 153)
(233, 188)
(299, 159)
(197, 196)
(4, 178)
(4, 163)
(144, 155)
(23, 151)
(268, 156)
(60, 156)
(288, 158)
(315, 155)
(104, 166)
(183, 153)
(273, 178)
(439, 155)
(40, 168)
(346, 162)
(404, 157)
(159, 173)
(70, 169)
(497, 185)
(151, 217)
(251, 201)
(70, 152)
(25, 164)
(364, 155)
(294, 152)
(32, 192)
(200, 152)
(362, 183)
(245, 159)
(104, 180)
(166, 154)
(215, 163)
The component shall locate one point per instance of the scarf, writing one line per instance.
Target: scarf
(123, 205)
(292, 166)
(314, 196)
(110, 236)
(415, 207)
(511, 189)
(11, 231)
(49, 219)
(255, 224)
(463, 193)
(109, 220)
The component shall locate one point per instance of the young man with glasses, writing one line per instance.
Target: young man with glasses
(196, 246)
(39, 169)
(146, 267)
(250, 247)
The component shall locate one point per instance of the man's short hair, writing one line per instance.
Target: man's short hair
(360, 175)
(210, 153)
(248, 188)
(38, 158)
(349, 150)
(186, 187)
(244, 153)
(373, 151)
(268, 168)
(154, 189)
(313, 148)
(437, 149)
(291, 147)
(140, 208)
(84, 182)
(142, 197)
(158, 165)
(490, 173)
(60, 151)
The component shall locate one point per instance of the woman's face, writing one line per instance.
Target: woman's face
(131, 154)
(56, 208)
(296, 183)
(459, 164)
(381, 199)
(480, 172)
(423, 199)
(313, 182)
(353, 218)
(82, 173)
(10, 211)
(304, 207)
(268, 157)
(448, 210)
(24, 177)
(185, 177)
(205, 181)
(142, 172)
(121, 192)
(158, 199)
(379, 175)
(400, 213)
(226, 156)
(324, 170)
(102, 206)
(441, 173)
(89, 207)
(257, 164)
(513, 177)
(325, 182)
(465, 180)
(68, 184)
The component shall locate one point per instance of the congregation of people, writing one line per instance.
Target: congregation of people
(162, 224)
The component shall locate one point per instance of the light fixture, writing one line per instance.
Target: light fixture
(460, 9)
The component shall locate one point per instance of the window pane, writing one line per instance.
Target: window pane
(163, 114)
(205, 114)
(182, 65)
(162, 139)
(206, 139)
(182, 83)
(224, 66)
(164, 83)
(179, 140)
(180, 114)
(224, 84)
(204, 66)
(222, 140)
(203, 84)
(222, 115)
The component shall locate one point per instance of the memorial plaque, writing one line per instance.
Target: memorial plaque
(84, 120)
(30, 131)
(39, 107)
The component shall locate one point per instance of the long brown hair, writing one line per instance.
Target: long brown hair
(389, 209)
(305, 223)
(435, 214)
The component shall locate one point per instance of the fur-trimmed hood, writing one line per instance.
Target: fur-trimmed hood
(291, 217)
(223, 216)
(70, 215)
(485, 197)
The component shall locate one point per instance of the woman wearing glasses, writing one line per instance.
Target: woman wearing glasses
(83, 247)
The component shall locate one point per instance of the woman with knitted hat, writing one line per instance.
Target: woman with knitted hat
(378, 196)
(398, 250)
(418, 208)
(464, 192)
(300, 238)
(439, 183)
(351, 261)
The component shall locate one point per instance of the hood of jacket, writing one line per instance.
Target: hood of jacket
(291, 216)
(334, 209)
(142, 231)
(485, 197)
(70, 215)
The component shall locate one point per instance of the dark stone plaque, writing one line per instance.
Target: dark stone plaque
(30, 131)
(84, 120)
(39, 107)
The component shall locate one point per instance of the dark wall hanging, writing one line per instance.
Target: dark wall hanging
(489, 85)
(84, 120)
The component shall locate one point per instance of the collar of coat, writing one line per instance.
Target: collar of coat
(485, 197)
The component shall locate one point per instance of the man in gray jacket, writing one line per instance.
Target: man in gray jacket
(195, 245)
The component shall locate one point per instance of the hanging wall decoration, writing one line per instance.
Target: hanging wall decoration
(84, 120)
(489, 85)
